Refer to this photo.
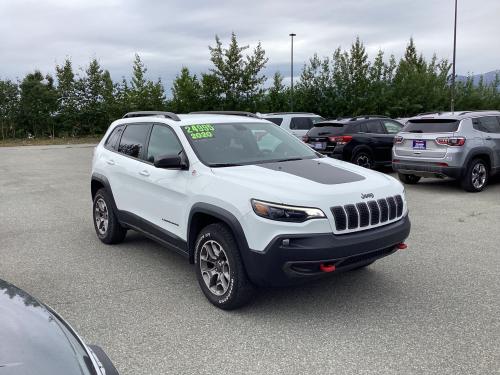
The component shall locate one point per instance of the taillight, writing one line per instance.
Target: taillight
(305, 138)
(341, 140)
(451, 141)
(398, 139)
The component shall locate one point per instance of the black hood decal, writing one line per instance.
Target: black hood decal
(315, 170)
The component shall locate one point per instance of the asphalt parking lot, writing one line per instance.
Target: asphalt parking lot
(433, 308)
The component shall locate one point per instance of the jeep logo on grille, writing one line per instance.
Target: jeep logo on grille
(368, 195)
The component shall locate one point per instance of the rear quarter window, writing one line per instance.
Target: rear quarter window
(326, 130)
(431, 126)
(489, 124)
(275, 120)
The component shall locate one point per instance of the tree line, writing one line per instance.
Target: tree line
(347, 83)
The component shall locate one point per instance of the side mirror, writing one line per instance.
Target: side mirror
(171, 162)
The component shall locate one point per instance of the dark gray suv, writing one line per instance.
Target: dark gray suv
(460, 145)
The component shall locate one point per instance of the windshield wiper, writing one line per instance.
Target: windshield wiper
(283, 160)
(219, 165)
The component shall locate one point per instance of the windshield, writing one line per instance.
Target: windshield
(218, 145)
(431, 126)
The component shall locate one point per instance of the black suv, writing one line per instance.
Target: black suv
(363, 140)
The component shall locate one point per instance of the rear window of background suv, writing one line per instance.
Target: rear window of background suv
(431, 126)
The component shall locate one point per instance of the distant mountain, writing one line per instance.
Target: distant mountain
(487, 77)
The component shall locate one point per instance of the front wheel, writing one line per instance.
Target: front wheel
(409, 179)
(476, 176)
(219, 268)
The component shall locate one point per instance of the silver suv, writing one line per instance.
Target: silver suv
(460, 145)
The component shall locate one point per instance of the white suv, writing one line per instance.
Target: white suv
(243, 200)
(297, 123)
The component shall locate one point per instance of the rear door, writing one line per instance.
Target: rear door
(377, 140)
(419, 138)
(124, 176)
(490, 127)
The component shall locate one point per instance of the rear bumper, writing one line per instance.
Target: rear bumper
(292, 259)
(425, 169)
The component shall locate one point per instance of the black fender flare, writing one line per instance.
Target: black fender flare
(477, 151)
(222, 215)
(104, 182)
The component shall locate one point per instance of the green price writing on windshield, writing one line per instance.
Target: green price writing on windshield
(200, 131)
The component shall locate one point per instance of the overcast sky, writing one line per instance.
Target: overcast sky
(169, 34)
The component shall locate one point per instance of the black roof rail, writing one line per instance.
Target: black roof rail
(289, 113)
(170, 115)
(355, 118)
(231, 113)
(429, 113)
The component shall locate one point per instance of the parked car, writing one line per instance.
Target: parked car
(461, 145)
(363, 140)
(34, 339)
(244, 200)
(297, 123)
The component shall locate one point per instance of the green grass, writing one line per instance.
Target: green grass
(49, 141)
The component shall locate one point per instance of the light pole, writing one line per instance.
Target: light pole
(291, 74)
(454, 59)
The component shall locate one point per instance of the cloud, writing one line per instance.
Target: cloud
(172, 34)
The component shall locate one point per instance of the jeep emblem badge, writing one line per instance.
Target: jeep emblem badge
(369, 195)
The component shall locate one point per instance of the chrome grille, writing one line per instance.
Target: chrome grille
(363, 214)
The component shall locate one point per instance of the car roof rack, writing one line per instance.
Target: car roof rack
(289, 113)
(169, 115)
(360, 117)
(478, 110)
(229, 113)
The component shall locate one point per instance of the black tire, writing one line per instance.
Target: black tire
(113, 232)
(470, 178)
(409, 179)
(239, 289)
(363, 159)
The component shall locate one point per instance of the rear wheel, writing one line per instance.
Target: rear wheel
(219, 268)
(106, 224)
(363, 159)
(476, 176)
(408, 179)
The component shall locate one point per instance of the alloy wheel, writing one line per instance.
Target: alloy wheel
(101, 216)
(478, 175)
(214, 267)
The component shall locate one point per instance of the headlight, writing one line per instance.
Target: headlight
(275, 211)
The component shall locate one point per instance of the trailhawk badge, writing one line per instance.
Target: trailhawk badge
(368, 195)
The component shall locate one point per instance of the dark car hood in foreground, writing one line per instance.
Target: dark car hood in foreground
(31, 339)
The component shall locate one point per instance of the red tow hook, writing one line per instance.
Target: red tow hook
(401, 246)
(325, 267)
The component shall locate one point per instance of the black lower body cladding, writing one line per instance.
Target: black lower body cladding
(427, 169)
(293, 259)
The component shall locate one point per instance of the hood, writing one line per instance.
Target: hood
(32, 340)
(307, 181)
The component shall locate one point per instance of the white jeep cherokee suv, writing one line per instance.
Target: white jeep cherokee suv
(244, 200)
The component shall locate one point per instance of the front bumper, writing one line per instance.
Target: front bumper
(424, 169)
(291, 259)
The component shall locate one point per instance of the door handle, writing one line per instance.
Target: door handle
(144, 173)
(488, 138)
(110, 162)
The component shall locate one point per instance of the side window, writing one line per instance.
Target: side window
(392, 127)
(488, 124)
(114, 137)
(163, 141)
(375, 127)
(275, 120)
(301, 123)
(133, 140)
(354, 128)
(363, 128)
